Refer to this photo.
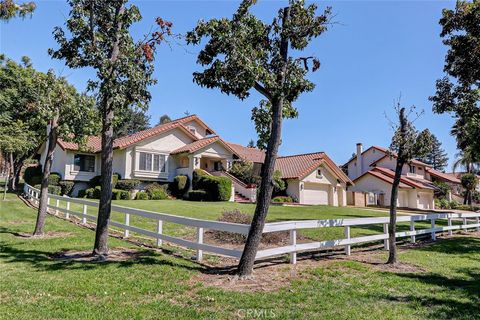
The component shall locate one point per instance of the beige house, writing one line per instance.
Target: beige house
(183, 145)
(372, 172)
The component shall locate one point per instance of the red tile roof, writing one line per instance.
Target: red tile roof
(299, 166)
(444, 176)
(420, 163)
(94, 144)
(196, 145)
(406, 182)
(249, 154)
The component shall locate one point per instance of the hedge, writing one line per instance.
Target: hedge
(31, 172)
(97, 181)
(142, 195)
(197, 175)
(56, 190)
(197, 195)
(93, 193)
(118, 194)
(282, 199)
(127, 184)
(179, 186)
(54, 178)
(217, 188)
(66, 186)
(157, 194)
(35, 180)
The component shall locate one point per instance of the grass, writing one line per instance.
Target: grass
(160, 286)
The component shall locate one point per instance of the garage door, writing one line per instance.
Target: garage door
(425, 201)
(402, 199)
(315, 193)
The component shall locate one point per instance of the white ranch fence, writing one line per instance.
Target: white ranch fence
(468, 221)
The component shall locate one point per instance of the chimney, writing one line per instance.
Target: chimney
(359, 159)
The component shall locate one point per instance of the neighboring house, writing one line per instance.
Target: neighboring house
(372, 171)
(183, 145)
(457, 189)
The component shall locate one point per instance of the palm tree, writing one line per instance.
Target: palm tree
(466, 160)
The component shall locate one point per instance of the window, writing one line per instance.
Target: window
(83, 162)
(319, 173)
(412, 169)
(152, 162)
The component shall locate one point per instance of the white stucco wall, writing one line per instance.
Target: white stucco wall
(293, 189)
(368, 157)
(200, 131)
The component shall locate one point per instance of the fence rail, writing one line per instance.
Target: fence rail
(469, 221)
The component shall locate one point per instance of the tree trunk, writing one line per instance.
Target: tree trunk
(392, 227)
(11, 181)
(105, 205)
(42, 206)
(245, 266)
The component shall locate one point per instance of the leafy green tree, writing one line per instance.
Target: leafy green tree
(459, 91)
(130, 122)
(71, 116)
(18, 104)
(469, 183)
(164, 119)
(10, 9)
(99, 38)
(407, 144)
(436, 156)
(244, 54)
(251, 144)
(466, 160)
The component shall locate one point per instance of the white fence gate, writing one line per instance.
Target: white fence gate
(468, 221)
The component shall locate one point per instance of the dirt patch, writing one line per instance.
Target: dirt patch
(377, 262)
(17, 222)
(46, 235)
(114, 255)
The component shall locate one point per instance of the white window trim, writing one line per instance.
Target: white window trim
(153, 152)
(72, 169)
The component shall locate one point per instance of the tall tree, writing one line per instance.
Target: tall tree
(71, 117)
(459, 91)
(132, 121)
(469, 183)
(18, 100)
(407, 144)
(10, 9)
(245, 54)
(465, 161)
(100, 38)
(164, 119)
(436, 156)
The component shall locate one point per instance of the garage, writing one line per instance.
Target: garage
(402, 199)
(315, 193)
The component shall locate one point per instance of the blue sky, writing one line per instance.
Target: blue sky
(377, 50)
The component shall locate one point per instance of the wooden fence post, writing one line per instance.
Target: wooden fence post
(450, 232)
(84, 216)
(127, 223)
(199, 241)
(57, 204)
(348, 247)
(477, 219)
(412, 228)
(159, 231)
(386, 245)
(434, 236)
(67, 214)
(293, 242)
(465, 223)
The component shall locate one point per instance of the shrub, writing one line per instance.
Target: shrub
(95, 181)
(217, 188)
(31, 172)
(197, 195)
(444, 204)
(142, 195)
(35, 180)
(152, 186)
(82, 193)
(93, 193)
(54, 178)
(115, 178)
(118, 194)
(279, 185)
(197, 175)
(282, 199)
(453, 204)
(127, 184)
(158, 194)
(66, 186)
(179, 186)
(244, 171)
(443, 189)
(56, 190)
(236, 216)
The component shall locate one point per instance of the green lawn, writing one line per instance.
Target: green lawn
(156, 286)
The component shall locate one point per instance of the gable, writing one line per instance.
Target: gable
(167, 141)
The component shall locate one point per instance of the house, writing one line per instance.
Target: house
(183, 145)
(372, 171)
